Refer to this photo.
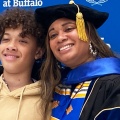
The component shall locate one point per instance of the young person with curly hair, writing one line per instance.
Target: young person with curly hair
(21, 44)
(91, 88)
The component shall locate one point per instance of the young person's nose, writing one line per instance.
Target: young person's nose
(11, 46)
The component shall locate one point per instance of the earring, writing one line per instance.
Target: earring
(93, 52)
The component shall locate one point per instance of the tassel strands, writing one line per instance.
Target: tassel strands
(81, 27)
(80, 24)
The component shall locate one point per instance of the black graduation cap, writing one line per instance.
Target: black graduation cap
(47, 15)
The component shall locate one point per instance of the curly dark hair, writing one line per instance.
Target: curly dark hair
(15, 17)
(18, 17)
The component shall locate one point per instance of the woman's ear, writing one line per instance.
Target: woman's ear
(39, 53)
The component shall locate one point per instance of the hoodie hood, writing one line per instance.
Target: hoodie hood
(30, 90)
(17, 100)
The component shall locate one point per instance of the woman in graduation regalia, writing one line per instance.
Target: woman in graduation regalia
(88, 87)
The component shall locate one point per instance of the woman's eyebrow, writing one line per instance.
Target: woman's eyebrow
(67, 23)
(50, 30)
(62, 25)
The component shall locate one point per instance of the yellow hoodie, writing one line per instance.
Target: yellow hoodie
(20, 104)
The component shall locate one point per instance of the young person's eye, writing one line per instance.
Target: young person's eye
(4, 40)
(23, 41)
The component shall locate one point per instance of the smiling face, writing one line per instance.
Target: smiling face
(18, 54)
(66, 45)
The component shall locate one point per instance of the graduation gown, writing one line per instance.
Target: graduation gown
(102, 95)
(103, 100)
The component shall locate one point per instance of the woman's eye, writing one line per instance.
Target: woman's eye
(69, 29)
(52, 36)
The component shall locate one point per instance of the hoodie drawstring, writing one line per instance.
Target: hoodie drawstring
(19, 105)
(1, 84)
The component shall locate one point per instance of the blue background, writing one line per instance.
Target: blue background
(109, 31)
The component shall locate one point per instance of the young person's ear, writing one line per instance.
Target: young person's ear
(39, 53)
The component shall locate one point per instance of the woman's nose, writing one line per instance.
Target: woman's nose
(62, 37)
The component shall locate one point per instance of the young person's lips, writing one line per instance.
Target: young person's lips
(11, 57)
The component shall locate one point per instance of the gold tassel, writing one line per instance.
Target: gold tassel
(80, 24)
(81, 27)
